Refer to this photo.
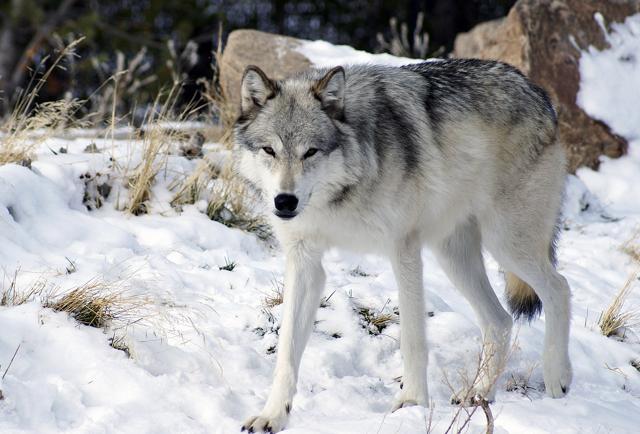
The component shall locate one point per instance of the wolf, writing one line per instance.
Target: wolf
(453, 155)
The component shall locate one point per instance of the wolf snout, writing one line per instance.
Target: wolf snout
(286, 205)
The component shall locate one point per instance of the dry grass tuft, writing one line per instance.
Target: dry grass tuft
(616, 319)
(632, 250)
(119, 342)
(193, 187)
(276, 296)
(632, 247)
(22, 129)
(13, 296)
(229, 265)
(521, 382)
(231, 202)
(229, 199)
(98, 304)
(95, 303)
(140, 182)
(24, 134)
(155, 150)
(374, 320)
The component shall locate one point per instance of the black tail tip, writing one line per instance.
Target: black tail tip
(526, 308)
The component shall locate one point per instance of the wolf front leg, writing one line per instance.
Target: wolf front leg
(304, 282)
(406, 261)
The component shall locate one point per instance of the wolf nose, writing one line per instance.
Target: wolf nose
(286, 202)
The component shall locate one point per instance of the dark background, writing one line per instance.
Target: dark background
(32, 29)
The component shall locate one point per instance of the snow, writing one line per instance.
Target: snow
(610, 79)
(202, 359)
(324, 54)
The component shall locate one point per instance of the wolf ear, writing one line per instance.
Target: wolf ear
(256, 88)
(330, 91)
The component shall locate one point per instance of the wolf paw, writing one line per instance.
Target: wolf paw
(557, 379)
(267, 423)
(473, 397)
(398, 404)
(258, 424)
(469, 401)
(407, 399)
(483, 390)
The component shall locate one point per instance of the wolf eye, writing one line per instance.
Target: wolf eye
(310, 153)
(269, 150)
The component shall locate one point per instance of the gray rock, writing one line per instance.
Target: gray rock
(274, 54)
(540, 37)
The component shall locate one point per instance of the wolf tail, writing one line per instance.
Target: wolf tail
(522, 300)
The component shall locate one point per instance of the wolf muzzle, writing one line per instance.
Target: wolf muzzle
(286, 205)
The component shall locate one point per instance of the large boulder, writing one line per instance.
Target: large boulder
(544, 39)
(276, 55)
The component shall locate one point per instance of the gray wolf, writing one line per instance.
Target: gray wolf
(454, 155)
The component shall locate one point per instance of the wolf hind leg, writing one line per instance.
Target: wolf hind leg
(520, 249)
(460, 256)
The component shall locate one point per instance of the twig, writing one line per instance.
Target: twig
(11, 362)
(484, 404)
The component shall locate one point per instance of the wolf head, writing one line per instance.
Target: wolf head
(288, 138)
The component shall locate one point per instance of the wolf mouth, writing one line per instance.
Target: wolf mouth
(285, 215)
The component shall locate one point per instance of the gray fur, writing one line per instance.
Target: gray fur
(456, 155)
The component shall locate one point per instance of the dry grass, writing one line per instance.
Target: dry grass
(119, 342)
(22, 128)
(13, 296)
(632, 247)
(95, 303)
(276, 296)
(156, 142)
(141, 180)
(231, 202)
(219, 101)
(617, 318)
(521, 382)
(375, 320)
(633, 250)
(229, 199)
(98, 304)
(192, 188)
(229, 265)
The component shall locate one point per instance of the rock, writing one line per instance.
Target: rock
(193, 147)
(91, 148)
(276, 55)
(543, 38)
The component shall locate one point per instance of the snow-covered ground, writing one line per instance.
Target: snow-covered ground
(201, 361)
